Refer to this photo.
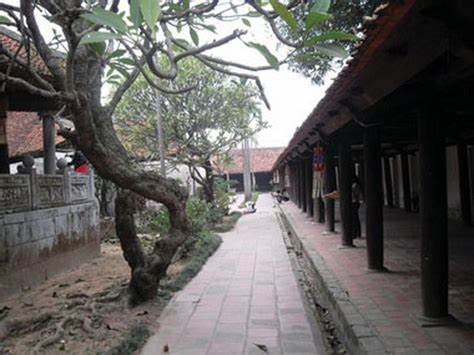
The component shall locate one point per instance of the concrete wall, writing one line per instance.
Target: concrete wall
(35, 245)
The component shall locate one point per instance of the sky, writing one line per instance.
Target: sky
(292, 96)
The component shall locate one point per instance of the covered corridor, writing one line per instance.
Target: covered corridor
(400, 116)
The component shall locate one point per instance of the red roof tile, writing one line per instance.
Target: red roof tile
(10, 42)
(25, 133)
(261, 160)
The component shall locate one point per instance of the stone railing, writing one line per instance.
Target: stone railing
(31, 191)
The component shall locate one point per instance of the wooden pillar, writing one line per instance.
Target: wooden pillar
(301, 184)
(464, 187)
(329, 186)
(319, 211)
(293, 182)
(297, 183)
(49, 144)
(304, 185)
(406, 182)
(373, 198)
(433, 198)
(4, 158)
(309, 188)
(345, 185)
(388, 181)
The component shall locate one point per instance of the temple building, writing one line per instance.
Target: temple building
(400, 117)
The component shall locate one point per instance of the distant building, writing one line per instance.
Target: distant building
(261, 162)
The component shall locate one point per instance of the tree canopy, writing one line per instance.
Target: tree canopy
(208, 120)
(316, 59)
(199, 125)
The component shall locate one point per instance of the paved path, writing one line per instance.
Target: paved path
(246, 294)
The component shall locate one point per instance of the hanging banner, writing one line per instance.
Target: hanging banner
(318, 158)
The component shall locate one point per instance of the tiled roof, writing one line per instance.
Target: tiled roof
(376, 30)
(25, 134)
(10, 41)
(261, 160)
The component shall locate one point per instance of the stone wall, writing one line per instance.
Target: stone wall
(48, 223)
(37, 244)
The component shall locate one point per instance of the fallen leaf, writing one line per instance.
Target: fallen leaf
(261, 347)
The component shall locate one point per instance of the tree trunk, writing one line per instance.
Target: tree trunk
(98, 141)
(146, 270)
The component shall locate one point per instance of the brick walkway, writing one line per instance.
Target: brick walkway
(384, 307)
(246, 294)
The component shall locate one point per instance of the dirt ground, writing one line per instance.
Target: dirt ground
(83, 311)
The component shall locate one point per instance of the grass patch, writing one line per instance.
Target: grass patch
(198, 250)
(228, 222)
(133, 340)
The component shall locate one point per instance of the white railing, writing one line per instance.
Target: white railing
(31, 191)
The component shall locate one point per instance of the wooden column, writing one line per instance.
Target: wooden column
(49, 144)
(293, 183)
(297, 184)
(388, 181)
(434, 234)
(319, 211)
(304, 185)
(373, 198)
(406, 182)
(309, 188)
(4, 158)
(464, 187)
(300, 184)
(329, 186)
(345, 185)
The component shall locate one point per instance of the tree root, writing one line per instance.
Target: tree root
(109, 298)
(21, 325)
(58, 335)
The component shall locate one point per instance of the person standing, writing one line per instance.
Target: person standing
(79, 162)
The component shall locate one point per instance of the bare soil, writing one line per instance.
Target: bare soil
(83, 311)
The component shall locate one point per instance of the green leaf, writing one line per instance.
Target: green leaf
(332, 50)
(321, 6)
(271, 59)
(116, 53)
(97, 37)
(284, 13)
(135, 13)
(308, 58)
(194, 36)
(211, 28)
(126, 61)
(103, 17)
(246, 22)
(5, 19)
(186, 4)
(315, 18)
(150, 11)
(333, 35)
